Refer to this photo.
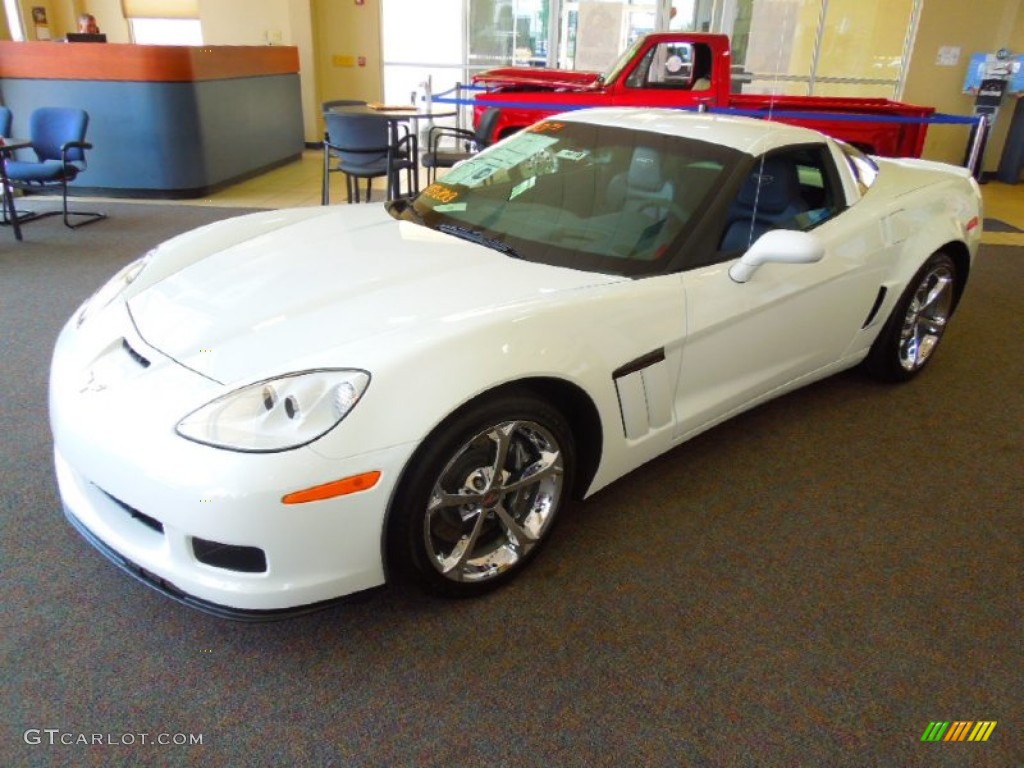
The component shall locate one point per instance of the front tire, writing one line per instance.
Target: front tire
(917, 323)
(481, 495)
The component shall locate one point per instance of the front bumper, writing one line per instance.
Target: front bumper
(203, 525)
(308, 556)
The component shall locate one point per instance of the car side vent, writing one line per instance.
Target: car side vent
(229, 556)
(133, 354)
(875, 307)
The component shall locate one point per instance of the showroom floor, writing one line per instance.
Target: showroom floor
(813, 583)
(298, 184)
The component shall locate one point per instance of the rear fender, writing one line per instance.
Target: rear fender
(955, 235)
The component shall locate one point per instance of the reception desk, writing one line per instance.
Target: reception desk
(165, 121)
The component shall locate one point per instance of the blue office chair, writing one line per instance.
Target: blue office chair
(361, 147)
(5, 121)
(332, 163)
(58, 140)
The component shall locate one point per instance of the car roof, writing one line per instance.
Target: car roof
(746, 134)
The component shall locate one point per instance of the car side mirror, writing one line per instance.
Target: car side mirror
(778, 246)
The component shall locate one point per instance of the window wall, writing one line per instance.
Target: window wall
(804, 47)
(822, 47)
(470, 36)
(412, 56)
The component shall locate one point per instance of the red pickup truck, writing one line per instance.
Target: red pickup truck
(679, 69)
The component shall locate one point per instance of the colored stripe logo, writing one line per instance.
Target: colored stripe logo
(959, 730)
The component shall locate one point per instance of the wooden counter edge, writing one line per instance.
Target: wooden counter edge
(143, 63)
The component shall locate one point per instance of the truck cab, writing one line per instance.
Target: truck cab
(686, 70)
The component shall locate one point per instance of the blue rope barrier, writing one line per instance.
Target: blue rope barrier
(936, 119)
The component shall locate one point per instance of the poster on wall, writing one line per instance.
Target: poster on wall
(599, 34)
(42, 28)
(989, 66)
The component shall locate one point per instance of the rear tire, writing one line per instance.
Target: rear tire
(480, 496)
(914, 329)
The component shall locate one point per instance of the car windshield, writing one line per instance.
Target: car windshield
(590, 197)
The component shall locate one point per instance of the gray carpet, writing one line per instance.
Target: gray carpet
(810, 584)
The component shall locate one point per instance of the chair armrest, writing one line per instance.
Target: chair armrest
(410, 141)
(69, 145)
(75, 145)
(438, 132)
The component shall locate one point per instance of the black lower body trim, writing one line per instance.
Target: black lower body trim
(168, 589)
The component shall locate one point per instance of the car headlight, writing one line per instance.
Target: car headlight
(112, 289)
(277, 414)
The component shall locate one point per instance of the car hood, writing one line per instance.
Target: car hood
(264, 301)
(539, 77)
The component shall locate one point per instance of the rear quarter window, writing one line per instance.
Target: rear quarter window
(864, 169)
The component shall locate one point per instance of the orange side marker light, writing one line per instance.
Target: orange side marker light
(973, 223)
(335, 488)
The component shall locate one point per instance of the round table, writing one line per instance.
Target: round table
(395, 114)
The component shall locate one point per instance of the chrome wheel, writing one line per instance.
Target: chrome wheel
(915, 326)
(926, 317)
(493, 501)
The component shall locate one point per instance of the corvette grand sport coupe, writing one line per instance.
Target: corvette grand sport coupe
(283, 408)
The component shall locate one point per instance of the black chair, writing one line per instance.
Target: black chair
(467, 143)
(58, 140)
(362, 148)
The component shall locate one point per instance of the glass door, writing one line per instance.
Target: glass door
(504, 33)
(421, 42)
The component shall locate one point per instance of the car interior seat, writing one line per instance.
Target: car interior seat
(769, 199)
(701, 68)
(643, 188)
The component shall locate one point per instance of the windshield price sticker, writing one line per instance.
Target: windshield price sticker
(571, 154)
(546, 127)
(476, 170)
(442, 194)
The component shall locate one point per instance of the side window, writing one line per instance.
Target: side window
(680, 66)
(864, 169)
(792, 189)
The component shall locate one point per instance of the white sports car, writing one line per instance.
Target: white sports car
(276, 410)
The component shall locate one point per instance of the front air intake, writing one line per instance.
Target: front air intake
(229, 557)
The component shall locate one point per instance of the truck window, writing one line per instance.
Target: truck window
(680, 66)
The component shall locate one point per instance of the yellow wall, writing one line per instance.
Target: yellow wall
(233, 22)
(278, 22)
(344, 32)
(979, 26)
(109, 18)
